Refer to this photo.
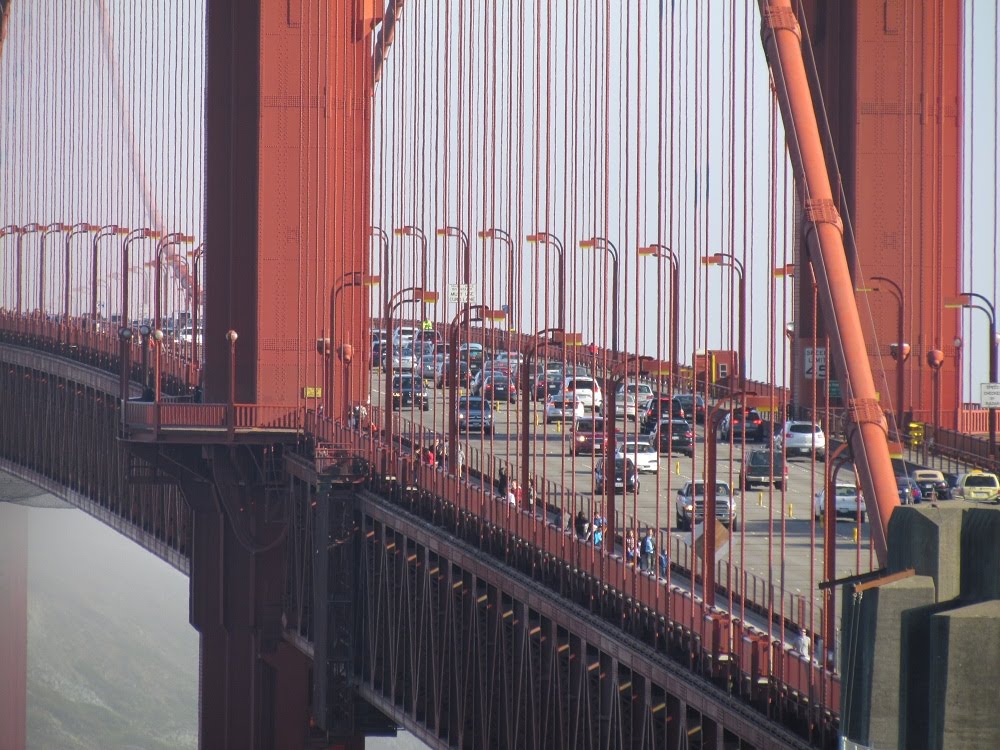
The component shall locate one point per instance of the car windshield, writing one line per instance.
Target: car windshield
(720, 489)
(590, 425)
(802, 429)
(760, 458)
(679, 428)
(928, 476)
(473, 404)
(620, 463)
(845, 491)
(404, 381)
(637, 447)
(981, 480)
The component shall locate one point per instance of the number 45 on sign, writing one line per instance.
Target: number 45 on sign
(819, 363)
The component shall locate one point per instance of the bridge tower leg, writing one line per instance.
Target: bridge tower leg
(898, 139)
(13, 626)
(254, 688)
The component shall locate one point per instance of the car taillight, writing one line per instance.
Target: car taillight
(757, 421)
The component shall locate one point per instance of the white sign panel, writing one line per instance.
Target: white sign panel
(462, 293)
(989, 395)
(820, 363)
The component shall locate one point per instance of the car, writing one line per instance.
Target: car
(763, 467)
(511, 359)
(693, 405)
(475, 414)
(586, 390)
(560, 409)
(588, 436)
(408, 390)
(626, 477)
(497, 387)
(378, 348)
(640, 452)
(424, 338)
(462, 373)
(187, 336)
(848, 503)
(691, 505)
(429, 364)
(932, 484)
(980, 486)
(403, 335)
(641, 391)
(673, 436)
(801, 437)
(742, 423)
(909, 492)
(488, 371)
(657, 408)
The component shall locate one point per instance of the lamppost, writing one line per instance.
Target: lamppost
(964, 300)
(499, 234)
(231, 337)
(25, 231)
(81, 228)
(474, 314)
(174, 238)
(728, 260)
(899, 351)
(56, 226)
(15, 229)
(136, 234)
(452, 231)
(345, 351)
(606, 244)
(124, 349)
(411, 231)
(107, 230)
(547, 238)
(660, 252)
(397, 300)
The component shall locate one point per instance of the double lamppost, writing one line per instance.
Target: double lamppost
(418, 295)
(81, 228)
(661, 252)
(499, 234)
(108, 230)
(966, 300)
(473, 314)
(602, 243)
(344, 351)
(728, 260)
(405, 231)
(547, 238)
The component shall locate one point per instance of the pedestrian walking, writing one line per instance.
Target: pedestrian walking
(460, 457)
(502, 482)
(648, 551)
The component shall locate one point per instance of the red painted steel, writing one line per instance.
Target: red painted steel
(827, 257)
(287, 192)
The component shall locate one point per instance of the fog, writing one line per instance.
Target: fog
(112, 660)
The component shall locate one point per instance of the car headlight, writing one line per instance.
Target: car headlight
(461, 415)
(688, 507)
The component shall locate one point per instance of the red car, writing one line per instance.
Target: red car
(588, 436)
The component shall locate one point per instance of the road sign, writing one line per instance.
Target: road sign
(463, 293)
(834, 388)
(820, 363)
(989, 395)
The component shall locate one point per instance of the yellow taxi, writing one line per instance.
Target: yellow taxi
(977, 486)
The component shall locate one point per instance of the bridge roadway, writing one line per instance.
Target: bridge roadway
(756, 549)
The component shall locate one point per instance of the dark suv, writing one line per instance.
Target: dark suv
(693, 405)
(745, 422)
(408, 390)
(763, 467)
(659, 408)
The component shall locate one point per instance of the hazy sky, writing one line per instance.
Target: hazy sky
(607, 118)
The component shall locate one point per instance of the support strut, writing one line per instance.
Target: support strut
(825, 242)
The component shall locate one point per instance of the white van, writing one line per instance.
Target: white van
(586, 390)
(403, 335)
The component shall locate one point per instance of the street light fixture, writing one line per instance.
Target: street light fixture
(547, 238)
(475, 313)
(452, 231)
(145, 233)
(108, 230)
(385, 272)
(419, 296)
(965, 300)
(660, 251)
(15, 229)
(602, 243)
(499, 234)
(81, 228)
(175, 238)
(46, 231)
(345, 352)
(728, 260)
(410, 231)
